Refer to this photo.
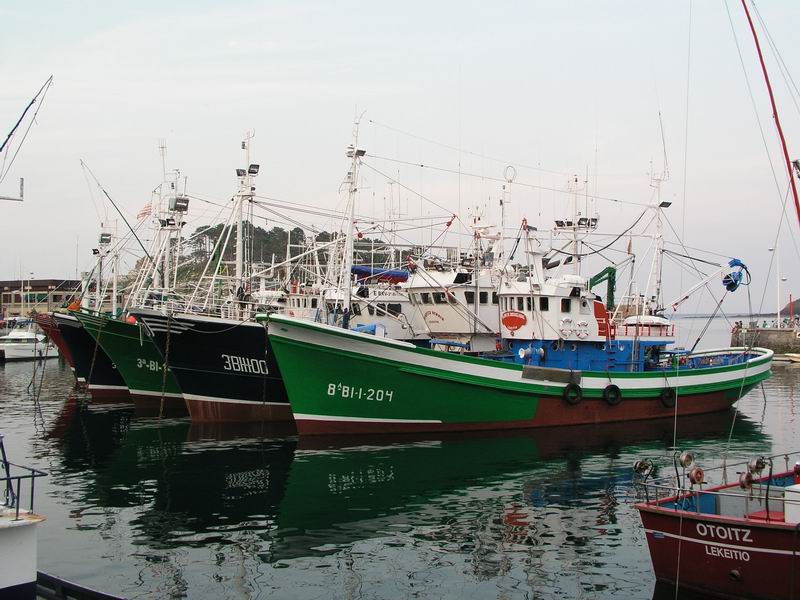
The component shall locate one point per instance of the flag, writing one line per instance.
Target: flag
(144, 212)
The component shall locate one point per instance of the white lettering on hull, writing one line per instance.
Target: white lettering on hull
(243, 364)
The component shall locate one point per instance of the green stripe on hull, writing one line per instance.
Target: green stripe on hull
(133, 353)
(340, 376)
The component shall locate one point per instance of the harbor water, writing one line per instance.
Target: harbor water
(157, 508)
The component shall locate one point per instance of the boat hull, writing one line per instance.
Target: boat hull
(341, 382)
(48, 325)
(92, 364)
(726, 558)
(138, 362)
(225, 369)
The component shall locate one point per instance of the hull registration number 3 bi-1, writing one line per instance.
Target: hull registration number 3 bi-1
(150, 365)
(360, 393)
(243, 364)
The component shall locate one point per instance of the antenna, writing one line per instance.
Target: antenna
(162, 150)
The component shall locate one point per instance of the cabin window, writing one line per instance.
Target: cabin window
(451, 297)
(494, 298)
(313, 303)
(438, 297)
(470, 297)
(484, 297)
(370, 309)
(544, 303)
(381, 309)
(463, 278)
(520, 303)
(566, 305)
(356, 308)
(529, 303)
(425, 297)
(394, 309)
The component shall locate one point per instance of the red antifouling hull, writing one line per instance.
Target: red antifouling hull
(724, 557)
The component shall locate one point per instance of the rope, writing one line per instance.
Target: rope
(166, 366)
(747, 350)
(94, 354)
(264, 375)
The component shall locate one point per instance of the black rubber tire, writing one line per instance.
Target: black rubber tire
(668, 397)
(572, 394)
(612, 395)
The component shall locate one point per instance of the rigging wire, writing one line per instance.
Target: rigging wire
(497, 179)
(43, 92)
(462, 151)
(686, 134)
(611, 243)
(764, 141)
(774, 111)
(784, 70)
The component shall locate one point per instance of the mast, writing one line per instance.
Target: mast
(354, 153)
(114, 269)
(246, 192)
(774, 112)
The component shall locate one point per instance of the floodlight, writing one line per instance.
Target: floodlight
(95, 251)
(559, 223)
(179, 204)
(583, 222)
(253, 169)
(105, 238)
(352, 151)
(240, 172)
(665, 204)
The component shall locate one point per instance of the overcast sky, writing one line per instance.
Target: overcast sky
(569, 87)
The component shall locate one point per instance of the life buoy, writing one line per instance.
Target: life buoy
(668, 397)
(582, 329)
(612, 395)
(565, 327)
(572, 394)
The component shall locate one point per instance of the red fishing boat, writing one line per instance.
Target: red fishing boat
(737, 539)
(47, 324)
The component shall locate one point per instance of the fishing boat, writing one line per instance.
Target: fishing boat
(221, 357)
(136, 360)
(152, 387)
(92, 364)
(26, 344)
(562, 358)
(735, 539)
(47, 324)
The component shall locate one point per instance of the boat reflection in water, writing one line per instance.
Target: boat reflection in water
(491, 499)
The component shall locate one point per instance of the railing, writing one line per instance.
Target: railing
(11, 485)
(671, 493)
(648, 330)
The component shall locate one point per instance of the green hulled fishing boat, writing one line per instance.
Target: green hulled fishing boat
(136, 359)
(360, 383)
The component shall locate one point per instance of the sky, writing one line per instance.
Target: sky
(556, 89)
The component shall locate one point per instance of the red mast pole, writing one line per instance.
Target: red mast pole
(774, 111)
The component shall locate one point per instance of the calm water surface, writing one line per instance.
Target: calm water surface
(158, 509)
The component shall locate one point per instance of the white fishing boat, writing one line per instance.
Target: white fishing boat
(25, 344)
